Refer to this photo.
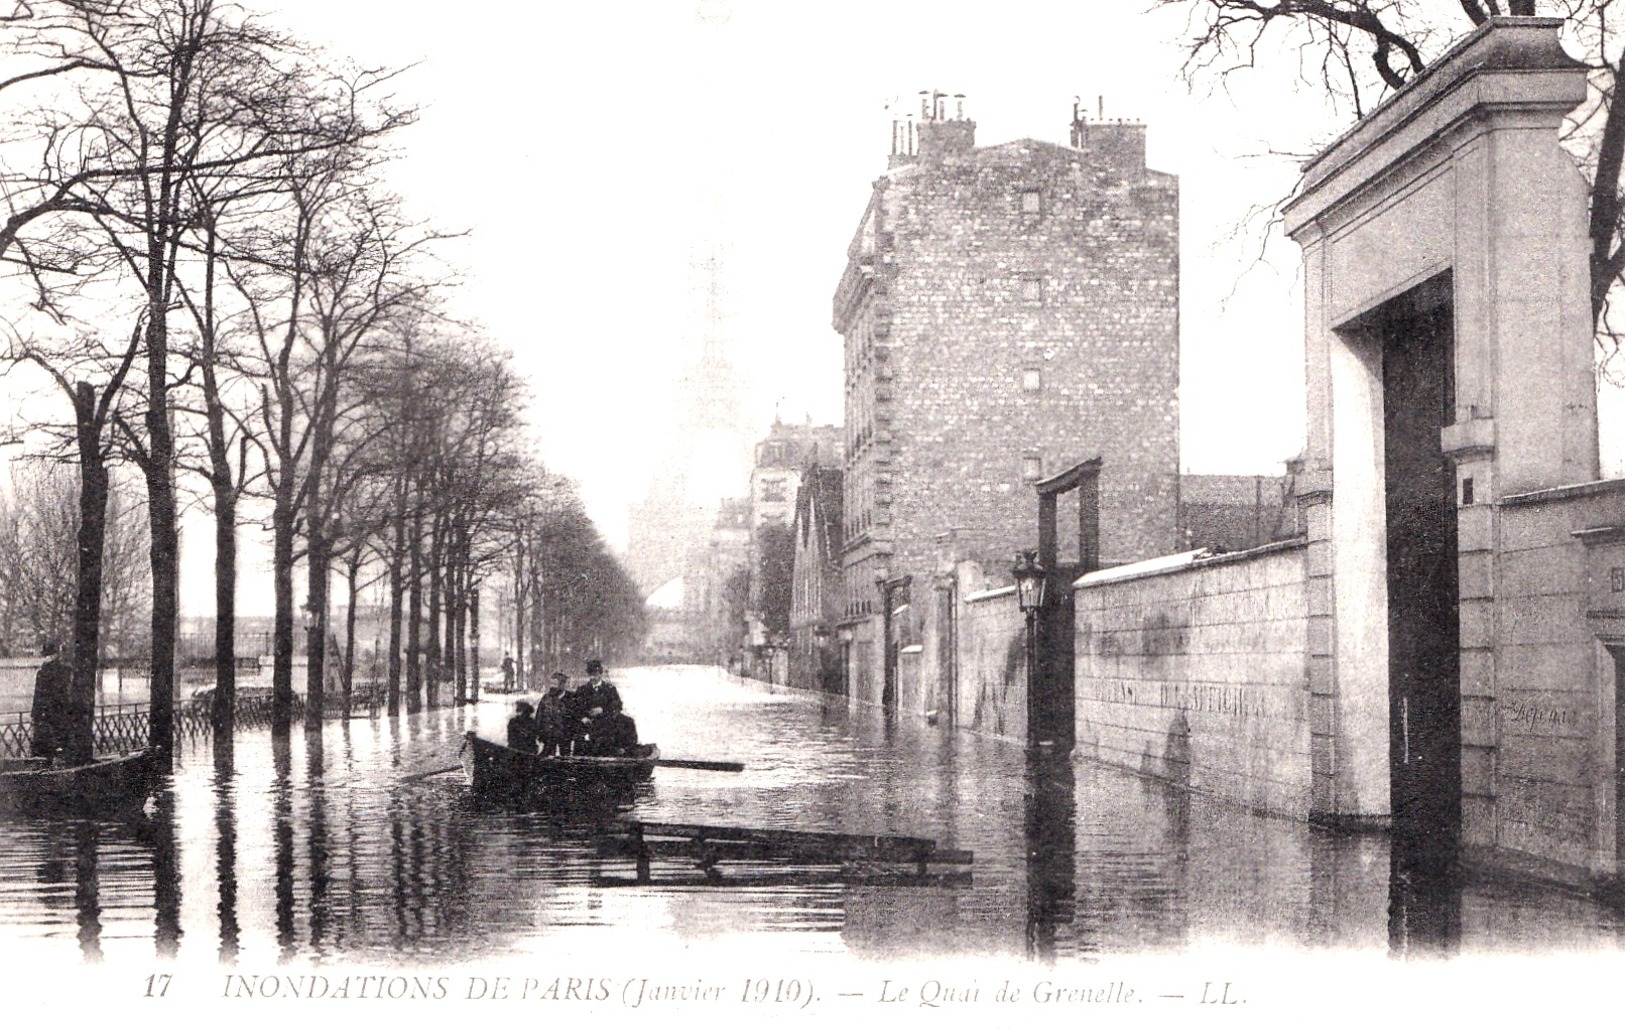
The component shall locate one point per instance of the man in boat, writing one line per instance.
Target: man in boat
(522, 728)
(603, 729)
(53, 685)
(554, 719)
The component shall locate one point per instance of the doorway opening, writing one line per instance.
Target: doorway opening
(1616, 650)
(1416, 333)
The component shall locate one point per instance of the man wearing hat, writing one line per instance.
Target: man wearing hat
(602, 729)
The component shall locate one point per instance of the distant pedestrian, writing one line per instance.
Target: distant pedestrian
(507, 672)
(522, 728)
(52, 715)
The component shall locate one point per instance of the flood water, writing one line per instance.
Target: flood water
(348, 848)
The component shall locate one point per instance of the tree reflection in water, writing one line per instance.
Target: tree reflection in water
(360, 858)
(166, 876)
(86, 892)
(225, 864)
(282, 812)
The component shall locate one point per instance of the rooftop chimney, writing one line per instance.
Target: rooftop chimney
(941, 136)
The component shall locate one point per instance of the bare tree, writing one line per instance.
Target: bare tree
(72, 365)
(1359, 50)
(38, 528)
(175, 105)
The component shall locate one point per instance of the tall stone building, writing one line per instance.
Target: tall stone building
(1007, 311)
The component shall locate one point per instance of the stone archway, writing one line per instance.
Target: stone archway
(1457, 181)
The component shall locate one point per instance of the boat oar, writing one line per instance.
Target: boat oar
(421, 775)
(725, 765)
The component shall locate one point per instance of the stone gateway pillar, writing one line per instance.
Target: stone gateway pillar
(1449, 366)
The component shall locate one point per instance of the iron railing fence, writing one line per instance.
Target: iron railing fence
(127, 726)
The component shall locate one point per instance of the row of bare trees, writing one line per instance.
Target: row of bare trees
(182, 170)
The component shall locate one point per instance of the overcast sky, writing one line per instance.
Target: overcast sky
(595, 151)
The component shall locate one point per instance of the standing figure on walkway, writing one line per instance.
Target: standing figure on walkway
(507, 672)
(602, 729)
(52, 715)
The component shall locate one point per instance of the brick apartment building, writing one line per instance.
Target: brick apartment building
(1007, 311)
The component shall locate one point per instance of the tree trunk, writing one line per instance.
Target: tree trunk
(432, 657)
(449, 604)
(223, 701)
(523, 674)
(352, 574)
(414, 616)
(282, 624)
(165, 545)
(474, 641)
(87, 607)
(316, 580)
(223, 705)
(396, 588)
(459, 636)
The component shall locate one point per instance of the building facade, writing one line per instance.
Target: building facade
(815, 597)
(725, 576)
(775, 478)
(1006, 311)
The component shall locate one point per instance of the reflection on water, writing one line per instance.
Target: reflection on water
(85, 902)
(225, 860)
(1051, 838)
(348, 846)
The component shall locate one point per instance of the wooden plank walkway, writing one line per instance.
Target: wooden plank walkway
(710, 845)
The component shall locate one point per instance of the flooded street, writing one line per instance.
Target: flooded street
(350, 849)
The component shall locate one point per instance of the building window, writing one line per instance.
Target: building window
(1032, 467)
(1032, 289)
(1032, 202)
(1032, 379)
(773, 490)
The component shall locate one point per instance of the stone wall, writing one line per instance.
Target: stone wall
(993, 665)
(1195, 670)
(1538, 711)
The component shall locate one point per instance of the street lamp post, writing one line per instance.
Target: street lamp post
(781, 648)
(820, 667)
(846, 660)
(309, 616)
(1031, 580)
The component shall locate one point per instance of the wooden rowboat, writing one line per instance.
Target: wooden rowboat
(497, 772)
(107, 784)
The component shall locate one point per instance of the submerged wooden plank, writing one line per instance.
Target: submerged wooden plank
(722, 833)
(807, 851)
(774, 879)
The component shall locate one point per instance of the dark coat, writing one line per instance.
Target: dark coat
(554, 720)
(608, 731)
(522, 732)
(52, 715)
(604, 696)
